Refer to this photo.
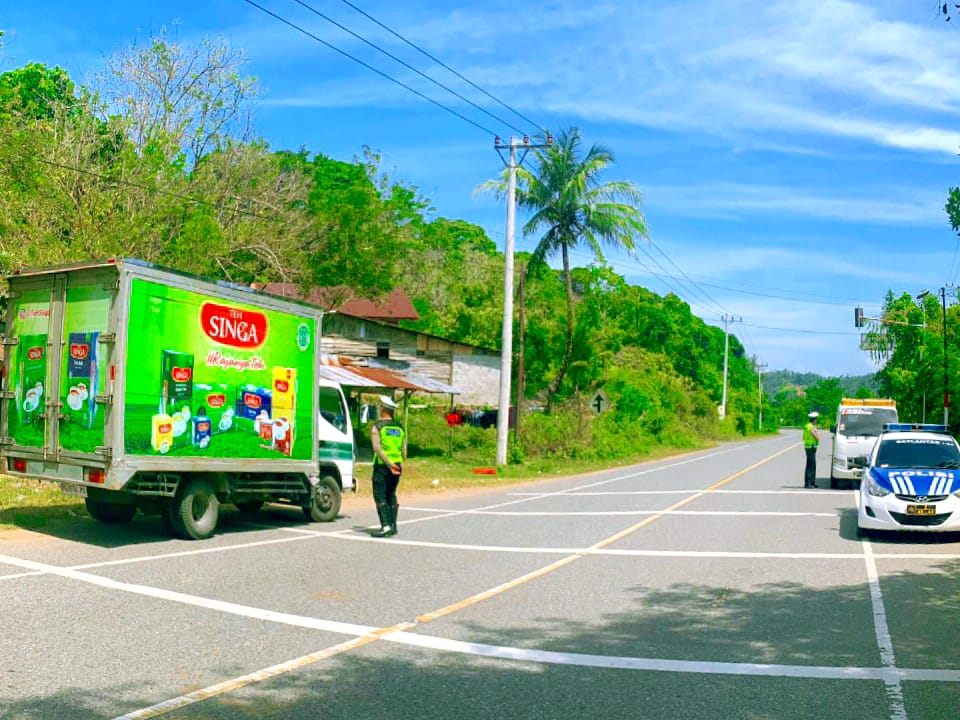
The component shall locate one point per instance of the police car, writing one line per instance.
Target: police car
(911, 481)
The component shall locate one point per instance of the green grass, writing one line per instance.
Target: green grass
(34, 504)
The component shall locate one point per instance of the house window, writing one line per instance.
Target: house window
(421, 345)
(383, 349)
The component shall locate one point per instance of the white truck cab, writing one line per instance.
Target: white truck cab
(335, 435)
(858, 425)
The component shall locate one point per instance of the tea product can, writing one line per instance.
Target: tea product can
(176, 373)
(82, 371)
(202, 429)
(33, 376)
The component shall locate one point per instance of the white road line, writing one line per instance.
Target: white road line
(820, 493)
(891, 680)
(665, 665)
(349, 533)
(194, 600)
(586, 513)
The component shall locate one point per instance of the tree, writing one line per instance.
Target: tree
(570, 206)
(181, 100)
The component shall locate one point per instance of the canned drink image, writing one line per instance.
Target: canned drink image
(32, 364)
(176, 376)
(82, 378)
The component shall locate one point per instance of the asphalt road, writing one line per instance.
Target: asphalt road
(705, 586)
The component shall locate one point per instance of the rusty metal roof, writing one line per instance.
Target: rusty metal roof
(364, 376)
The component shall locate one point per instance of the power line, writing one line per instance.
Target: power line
(371, 68)
(806, 332)
(704, 293)
(441, 63)
(727, 285)
(407, 65)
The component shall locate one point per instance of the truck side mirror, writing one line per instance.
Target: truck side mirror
(833, 429)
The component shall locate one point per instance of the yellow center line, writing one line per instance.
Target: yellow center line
(516, 582)
(261, 675)
(381, 633)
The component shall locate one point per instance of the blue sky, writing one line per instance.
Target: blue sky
(794, 157)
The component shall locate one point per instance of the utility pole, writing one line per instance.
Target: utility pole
(506, 353)
(727, 319)
(760, 367)
(946, 378)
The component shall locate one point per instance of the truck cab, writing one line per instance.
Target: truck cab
(858, 424)
(335, 435)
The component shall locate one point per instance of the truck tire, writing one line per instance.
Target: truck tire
(111, 513)
(196, 510)
(834, 482)
(326, 501)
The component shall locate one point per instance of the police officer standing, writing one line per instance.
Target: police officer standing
(387, 439)
(811, 439)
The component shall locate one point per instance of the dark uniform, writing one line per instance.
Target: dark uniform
(385, 479)
(811, 440)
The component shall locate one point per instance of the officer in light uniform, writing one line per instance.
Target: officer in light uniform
(811, 439)
(387, 439)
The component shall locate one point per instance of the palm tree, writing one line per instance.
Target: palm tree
(570, 206)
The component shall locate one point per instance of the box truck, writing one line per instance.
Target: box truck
(858, 425)
(136, 387)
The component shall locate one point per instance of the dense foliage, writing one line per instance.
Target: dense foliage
(157, 160)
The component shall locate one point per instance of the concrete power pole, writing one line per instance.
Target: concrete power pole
(760, 367)
(506, 353)
(727, 319)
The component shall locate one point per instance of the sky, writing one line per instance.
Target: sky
(794, 157)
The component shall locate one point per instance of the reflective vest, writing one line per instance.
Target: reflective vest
(391, 442)
(809, 439)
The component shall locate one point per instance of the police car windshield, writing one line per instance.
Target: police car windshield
(865, 421)
(918, 453)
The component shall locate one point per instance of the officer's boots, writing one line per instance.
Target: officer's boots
(395, 509)
(387, 527)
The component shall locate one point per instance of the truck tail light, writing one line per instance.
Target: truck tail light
(18, 465)
(96, 475)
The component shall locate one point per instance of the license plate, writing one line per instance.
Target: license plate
(921, 509)
(74, 489)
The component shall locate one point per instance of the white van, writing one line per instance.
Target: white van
(859, 423)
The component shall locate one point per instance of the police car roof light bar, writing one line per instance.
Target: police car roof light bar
(907, 427)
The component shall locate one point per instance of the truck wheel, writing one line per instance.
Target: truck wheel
(111, 513)
(196, 510)
(249, 506)
(326, 501)
(834, 482)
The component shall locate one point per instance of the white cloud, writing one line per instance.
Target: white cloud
(911, 206)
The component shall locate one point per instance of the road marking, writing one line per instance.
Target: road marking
(891, 680)
(259, 676)
(194, 600)
(522, 580)
(349, 533)
(397, 634)
(587, 513)
(667, 665)
(821, 493)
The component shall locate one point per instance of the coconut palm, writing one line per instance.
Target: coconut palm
(570, 206)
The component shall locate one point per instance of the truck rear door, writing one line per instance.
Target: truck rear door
(58, 347)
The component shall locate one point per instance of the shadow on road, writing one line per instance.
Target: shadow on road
(783, 622)
(72, 523)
